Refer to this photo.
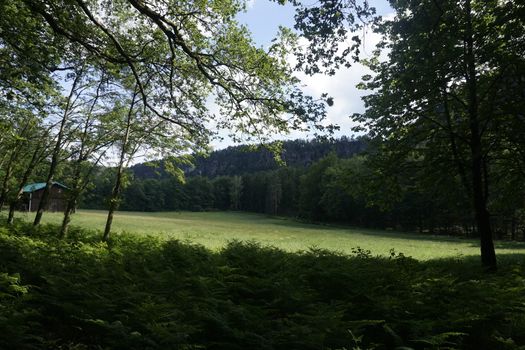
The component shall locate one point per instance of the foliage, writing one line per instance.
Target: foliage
(328, 28)
(112, 77)
(136, 293)
(254, 181)
(440, 93)
(243, 159)
(177, 54)
(356, 190)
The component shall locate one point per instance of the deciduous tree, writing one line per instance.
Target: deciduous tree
(438, 97)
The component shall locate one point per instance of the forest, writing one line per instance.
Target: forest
(324, 181)
(115, 106)
(444, 152)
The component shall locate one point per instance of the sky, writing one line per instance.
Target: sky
(263, 18)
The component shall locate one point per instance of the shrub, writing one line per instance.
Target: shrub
(142, 293)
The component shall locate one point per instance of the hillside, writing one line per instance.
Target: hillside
(240, 160)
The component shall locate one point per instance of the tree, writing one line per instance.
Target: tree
(90, 138)
(289, 179)
(221, 192)
(439, 95)
(24, 145)
(37, 149)
(13, 146)
(326, 26)
(127, 151)
(311, 189)
(199, 194)
(58, 148)
(441, 99)
(254, 192)
(179, 53)
(235, 193)
(274, 193)
(97, 190)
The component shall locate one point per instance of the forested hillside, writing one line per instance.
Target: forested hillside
(240, 160)
(330, 182)
(235, 178)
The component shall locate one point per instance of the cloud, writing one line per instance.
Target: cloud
(342, 86)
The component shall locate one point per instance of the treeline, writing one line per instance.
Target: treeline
(333, 190)
(235, 178)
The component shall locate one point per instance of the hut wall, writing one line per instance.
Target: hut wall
(57, 199)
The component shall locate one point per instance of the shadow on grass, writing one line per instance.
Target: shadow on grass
(392, 234)
(501, 245)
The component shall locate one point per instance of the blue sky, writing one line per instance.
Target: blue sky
(263, 18)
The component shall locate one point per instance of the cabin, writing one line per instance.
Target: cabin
(33, 195)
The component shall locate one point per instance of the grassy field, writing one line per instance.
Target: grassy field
(215, 229)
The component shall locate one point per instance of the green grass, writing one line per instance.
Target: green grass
(215, 229)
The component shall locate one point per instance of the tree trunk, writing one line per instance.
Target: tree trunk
(113, 205)
(513, 228)
(55, 157)
(72, 196)
(71, 204)
(77, 188)
(7, 177)
(479, 197)
(11, 216)
(458, 161)
(35, 158)
(115, 193)
(15, 153)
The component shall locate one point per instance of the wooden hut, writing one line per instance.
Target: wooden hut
(57, 196)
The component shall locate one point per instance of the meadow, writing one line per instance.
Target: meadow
(215, 229)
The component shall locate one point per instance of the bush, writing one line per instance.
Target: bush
(143, 293)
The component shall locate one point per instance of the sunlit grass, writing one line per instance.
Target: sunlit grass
(215, 229)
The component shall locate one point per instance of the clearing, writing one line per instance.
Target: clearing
(215, 229)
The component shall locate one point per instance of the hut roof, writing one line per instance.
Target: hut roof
(40, 185)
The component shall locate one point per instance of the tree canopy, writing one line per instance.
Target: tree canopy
(445, 97)
(177, 53)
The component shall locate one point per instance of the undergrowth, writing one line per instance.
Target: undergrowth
(143, 293)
